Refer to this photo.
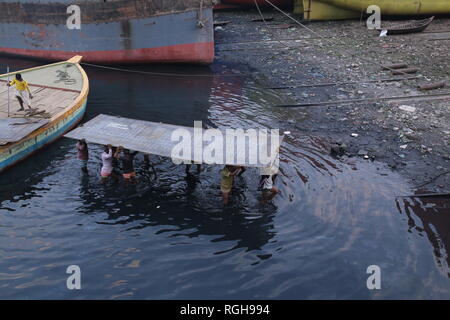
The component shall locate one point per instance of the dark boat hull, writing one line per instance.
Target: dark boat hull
(412, 27)
(138, 31)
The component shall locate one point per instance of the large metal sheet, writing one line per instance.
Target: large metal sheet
(162, 139)
(15, 129)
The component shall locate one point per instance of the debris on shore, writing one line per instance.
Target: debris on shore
(410, 132)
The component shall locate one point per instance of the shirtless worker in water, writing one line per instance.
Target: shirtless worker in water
(127, 159)
(83, 154)
(23, 93)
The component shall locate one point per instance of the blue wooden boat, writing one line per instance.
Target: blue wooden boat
(60, 92)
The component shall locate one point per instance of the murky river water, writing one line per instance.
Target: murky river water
(171, 237)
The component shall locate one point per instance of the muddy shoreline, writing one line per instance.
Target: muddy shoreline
(411, 135)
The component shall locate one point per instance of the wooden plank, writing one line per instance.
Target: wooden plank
(425, 97)
(50, 100)
(427, 195)
(432, 86)
(330, 84)
(405, 71)
(14, 129)
(395, 66)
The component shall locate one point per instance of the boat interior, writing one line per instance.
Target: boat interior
(54, 88)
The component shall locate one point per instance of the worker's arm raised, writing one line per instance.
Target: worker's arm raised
(119, 149)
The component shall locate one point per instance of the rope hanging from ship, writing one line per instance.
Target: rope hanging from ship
(200, 22)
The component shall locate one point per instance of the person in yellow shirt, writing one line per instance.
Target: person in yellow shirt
(23, 93)
(226, 184)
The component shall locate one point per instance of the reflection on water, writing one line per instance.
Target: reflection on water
(184, 205)
(170, 236)
(430, 216)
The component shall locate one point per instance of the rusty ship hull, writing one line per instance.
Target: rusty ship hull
(110, 32)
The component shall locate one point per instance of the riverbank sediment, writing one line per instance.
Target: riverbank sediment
(339, 62)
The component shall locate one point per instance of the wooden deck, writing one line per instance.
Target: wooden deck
(49, 99)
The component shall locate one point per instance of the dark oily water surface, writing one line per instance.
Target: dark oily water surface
(171, 237)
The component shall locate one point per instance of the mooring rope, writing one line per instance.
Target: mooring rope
(164, 73)
(267, 26)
